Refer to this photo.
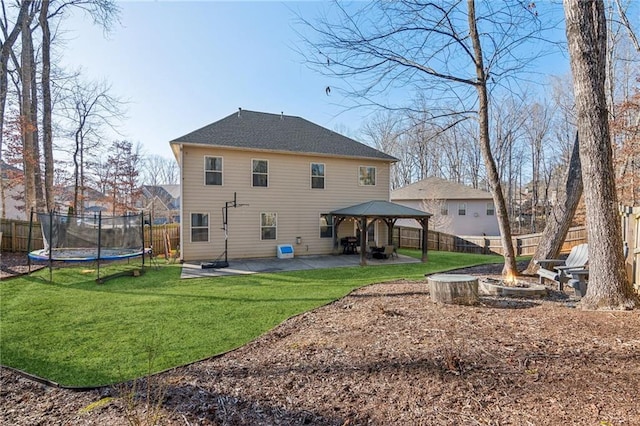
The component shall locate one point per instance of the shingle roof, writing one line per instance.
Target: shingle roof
(434, 188)
(277, 132)
(380, 208)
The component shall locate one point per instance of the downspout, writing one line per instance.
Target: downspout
(182, 218)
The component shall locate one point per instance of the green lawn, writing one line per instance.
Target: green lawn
(78, 333)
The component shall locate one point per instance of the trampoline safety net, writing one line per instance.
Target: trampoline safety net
(90, 237)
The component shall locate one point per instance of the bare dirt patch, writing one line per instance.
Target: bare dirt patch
(15, 264)
(386, 354)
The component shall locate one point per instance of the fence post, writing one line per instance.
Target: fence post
(14, 237)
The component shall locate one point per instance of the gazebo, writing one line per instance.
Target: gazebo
(367, 213)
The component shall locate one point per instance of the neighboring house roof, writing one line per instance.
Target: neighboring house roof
(379, 208)
(173, 190)
(8, 169)
(252, 130)
(434, 188)
(169, 195)
(67, 193)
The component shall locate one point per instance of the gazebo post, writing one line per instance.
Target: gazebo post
(336, 223)
(390, 224)
(363, 241)
(425, 234)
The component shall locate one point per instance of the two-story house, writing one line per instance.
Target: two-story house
(260, 180)
(458, 209)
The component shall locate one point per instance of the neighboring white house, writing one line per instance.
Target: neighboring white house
(12, 207)
(279, 177)
(457, 209)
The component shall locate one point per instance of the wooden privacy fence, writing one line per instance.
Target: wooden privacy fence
(630, 217)
(15, 236)
(524, 245)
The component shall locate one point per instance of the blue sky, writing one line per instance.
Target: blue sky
(183, 65)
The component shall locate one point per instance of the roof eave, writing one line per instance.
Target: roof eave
(175, 145)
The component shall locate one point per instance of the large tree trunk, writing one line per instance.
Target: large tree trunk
(559, 220)
(5, 55)
(28, 126)
(587, 41)
(47, 134)
(510, 266)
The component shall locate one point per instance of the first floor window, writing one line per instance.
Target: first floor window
(268, 226)
(213, 170)
(326, 226)
(199, 227)
(367, 176)
(490, 209)
(260, 173)
(317, 175)
(462, 209)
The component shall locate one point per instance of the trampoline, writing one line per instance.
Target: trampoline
(82, 254)
(87, 238)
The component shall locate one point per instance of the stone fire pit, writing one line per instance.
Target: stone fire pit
(493, 287)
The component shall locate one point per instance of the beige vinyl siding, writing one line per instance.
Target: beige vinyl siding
(289, 194)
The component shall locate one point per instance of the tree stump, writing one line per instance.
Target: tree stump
(454, 289)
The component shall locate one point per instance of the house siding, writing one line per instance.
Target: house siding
(289, 194)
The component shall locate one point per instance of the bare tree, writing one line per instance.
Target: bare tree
(89, 108)
(438, 49)
(123, 187)
(10, 36)
(536, 132)
(384, 132)
(587, 41)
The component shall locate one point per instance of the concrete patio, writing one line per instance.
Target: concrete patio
(270, 265)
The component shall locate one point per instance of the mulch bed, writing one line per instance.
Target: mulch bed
(386, 355)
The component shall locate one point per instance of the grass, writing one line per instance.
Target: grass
(77, 333)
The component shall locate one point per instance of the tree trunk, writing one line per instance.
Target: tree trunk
(587, 41)
(559, 219)
(5, 55)
(47, 134)
(28, 127)
(510, 266)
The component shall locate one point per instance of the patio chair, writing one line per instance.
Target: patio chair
(386, 253)
(560, 270)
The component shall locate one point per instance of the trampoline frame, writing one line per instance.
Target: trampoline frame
(97, 254)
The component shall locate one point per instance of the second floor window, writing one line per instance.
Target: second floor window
(317, 175)
(367, 176)
(213, 170)
(260, 173)
(490, 209)
(444, 209)
(462, 209)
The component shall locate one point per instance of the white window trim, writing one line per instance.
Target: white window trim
(320, 226)
(205, 169)
(252, 172)
(465, 209)
(200, 227)
(444, 209)
(493, 209)
(260, 223)
(375, 173)
(373, 226)
(324, 176)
